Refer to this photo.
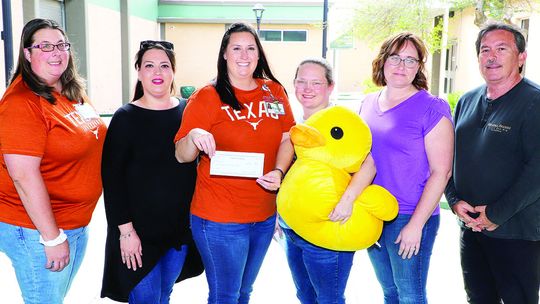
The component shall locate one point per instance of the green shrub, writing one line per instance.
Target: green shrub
(453, 99)
(369, 87)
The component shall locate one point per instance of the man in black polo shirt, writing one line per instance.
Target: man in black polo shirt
(495, 188)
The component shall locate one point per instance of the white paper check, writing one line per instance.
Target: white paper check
(241, 164)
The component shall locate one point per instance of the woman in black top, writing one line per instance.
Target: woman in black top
(147, 192)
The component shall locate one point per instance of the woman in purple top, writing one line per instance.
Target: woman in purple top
(413, 141)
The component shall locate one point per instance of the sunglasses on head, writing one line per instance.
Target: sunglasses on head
(149, 43)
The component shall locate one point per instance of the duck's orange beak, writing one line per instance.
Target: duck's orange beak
(305, 136)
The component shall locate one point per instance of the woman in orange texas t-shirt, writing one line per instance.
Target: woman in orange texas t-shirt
(244, 110)
(50, 155)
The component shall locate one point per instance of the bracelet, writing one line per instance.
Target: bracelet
(126, 235)
(281, 171)
(62, 237)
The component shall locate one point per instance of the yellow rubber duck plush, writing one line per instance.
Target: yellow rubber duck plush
(330, 146)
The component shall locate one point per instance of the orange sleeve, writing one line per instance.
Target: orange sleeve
(199, 112)
(23, 128)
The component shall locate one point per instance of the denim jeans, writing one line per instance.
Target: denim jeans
(499, 269)
(320, 275)
(232, 255)
(38, 284)
(156, 287)
(403, 280)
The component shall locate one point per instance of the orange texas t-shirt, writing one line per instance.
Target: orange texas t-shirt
(69, 139)
(252, 129)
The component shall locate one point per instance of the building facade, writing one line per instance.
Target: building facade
(461, 66)
(105, 34)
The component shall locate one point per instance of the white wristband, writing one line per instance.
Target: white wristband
(62, 237)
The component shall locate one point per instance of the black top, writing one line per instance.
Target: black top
(497, 159)
(144, 184)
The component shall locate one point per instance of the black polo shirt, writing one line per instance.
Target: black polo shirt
(497, 158)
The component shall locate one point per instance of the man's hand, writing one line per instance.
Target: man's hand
(483, 221)
(463, 210)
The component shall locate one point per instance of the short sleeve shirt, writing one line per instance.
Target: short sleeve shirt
(398, 144)
(68, 137)
(251, 129)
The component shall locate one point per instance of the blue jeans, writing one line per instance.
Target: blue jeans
(27, 256)
(403, 280)
(156, 287)
(232, 255)
(320, 275)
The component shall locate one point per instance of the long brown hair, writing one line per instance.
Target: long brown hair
(73, 86)
(222, 83)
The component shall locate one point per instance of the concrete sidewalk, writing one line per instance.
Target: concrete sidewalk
(274, 283)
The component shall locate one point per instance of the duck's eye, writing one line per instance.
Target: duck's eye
(336, 132)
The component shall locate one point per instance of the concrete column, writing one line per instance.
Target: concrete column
(126, 52)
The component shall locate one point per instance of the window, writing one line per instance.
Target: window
(450, 67)
(284, 35)
(270, 35)
(294, 36)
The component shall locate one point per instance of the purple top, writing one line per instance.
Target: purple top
(398, 144)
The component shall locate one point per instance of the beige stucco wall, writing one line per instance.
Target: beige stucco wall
(104, 64)
(197, 48)
(463, 31)
(284, 57)
(139, 29)
(352, 66)
(104, 56)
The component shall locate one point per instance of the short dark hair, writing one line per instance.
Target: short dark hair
(328, 70)
(73, 86)
(390, 47)
(164, 46)
(222, 82)
(519, 38)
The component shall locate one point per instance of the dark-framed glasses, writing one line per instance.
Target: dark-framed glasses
(409, 62)
(49, 47)
(149, 43)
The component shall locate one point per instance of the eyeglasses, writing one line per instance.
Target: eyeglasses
(409, 62)
(49, 47)
(149, 43)
(302, 84)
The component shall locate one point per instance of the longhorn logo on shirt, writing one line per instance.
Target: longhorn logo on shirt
(253, 113)
(86, 118)
(254, 124)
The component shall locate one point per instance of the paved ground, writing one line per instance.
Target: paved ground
(274, 284)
